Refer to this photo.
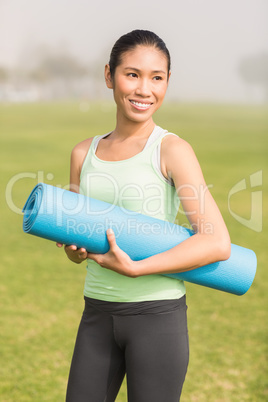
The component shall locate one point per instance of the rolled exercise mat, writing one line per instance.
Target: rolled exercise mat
(70, 218)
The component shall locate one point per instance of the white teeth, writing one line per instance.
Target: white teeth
(144, 105)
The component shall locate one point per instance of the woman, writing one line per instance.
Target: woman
(134, 320)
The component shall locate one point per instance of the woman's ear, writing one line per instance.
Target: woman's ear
(108, 77)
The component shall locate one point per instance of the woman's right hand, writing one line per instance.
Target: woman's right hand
(74, 254)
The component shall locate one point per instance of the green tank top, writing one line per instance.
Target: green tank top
(137, 185)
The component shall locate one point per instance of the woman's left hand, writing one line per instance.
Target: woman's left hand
(115, 259)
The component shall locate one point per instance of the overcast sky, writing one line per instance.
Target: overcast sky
(206, 38)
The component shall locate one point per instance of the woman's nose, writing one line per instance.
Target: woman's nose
(143, 88)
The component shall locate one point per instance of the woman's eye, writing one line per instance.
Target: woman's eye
(132, 75)
(158, 78)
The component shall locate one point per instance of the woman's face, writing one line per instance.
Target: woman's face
(140, 83)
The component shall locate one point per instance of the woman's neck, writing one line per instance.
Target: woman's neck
(129, 129)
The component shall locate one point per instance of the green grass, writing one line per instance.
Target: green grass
(41, 291)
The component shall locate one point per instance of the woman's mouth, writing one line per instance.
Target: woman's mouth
(140, 105)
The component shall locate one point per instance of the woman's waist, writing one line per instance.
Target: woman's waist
(137, 308)
(107, 285)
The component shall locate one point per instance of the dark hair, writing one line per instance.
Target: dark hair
(132, 39)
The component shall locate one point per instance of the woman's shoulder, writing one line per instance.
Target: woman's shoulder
(82, 146)
(80, 150)
(79, 153)
(171, 143)
(176, 153)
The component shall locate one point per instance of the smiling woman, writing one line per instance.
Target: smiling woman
(135, 320)
(140, 88)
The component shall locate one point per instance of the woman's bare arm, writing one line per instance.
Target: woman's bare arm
(211, 241)
(77, 158)
(204, 247)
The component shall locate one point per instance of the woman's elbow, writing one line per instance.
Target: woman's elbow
(224, 248)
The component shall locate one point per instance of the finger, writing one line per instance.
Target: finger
(71, 247)
(59, 245)
(81, 253)
(111, 237)
(82, 256)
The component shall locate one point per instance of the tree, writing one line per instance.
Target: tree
(58, 66)
(4, 74)
(254, 70)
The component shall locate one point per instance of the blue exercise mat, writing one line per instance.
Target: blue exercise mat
(70, 218)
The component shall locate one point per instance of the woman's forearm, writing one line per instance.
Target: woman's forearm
(196, 251)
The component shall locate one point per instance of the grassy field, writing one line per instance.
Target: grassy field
(41, 291)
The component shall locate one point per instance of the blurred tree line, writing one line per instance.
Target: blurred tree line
(47, 74)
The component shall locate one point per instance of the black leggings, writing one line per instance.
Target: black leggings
(151, 348)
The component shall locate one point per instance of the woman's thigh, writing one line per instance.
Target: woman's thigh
(157, 355)
(98, 367)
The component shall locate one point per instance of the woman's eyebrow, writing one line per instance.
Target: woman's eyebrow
(136, 69)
